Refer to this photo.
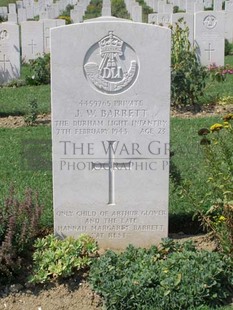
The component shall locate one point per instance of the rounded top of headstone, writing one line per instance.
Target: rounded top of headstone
(106, 19)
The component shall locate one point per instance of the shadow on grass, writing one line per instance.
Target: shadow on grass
(12, 113)
(184, 223)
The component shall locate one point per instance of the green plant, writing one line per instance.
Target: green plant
(66, 18)
(40, 71)
(175, 9)
(224, 100)
(31, 117)
(19, 226)
(188, 77)
(2, 19)
(56, 259)
(217, 143)
(93, 9)
(219, 73)
(228, 47)
(145, 10)
(171, 277)
(119, 9)
(66, 14)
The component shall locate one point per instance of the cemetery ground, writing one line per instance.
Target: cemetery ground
(26, 162)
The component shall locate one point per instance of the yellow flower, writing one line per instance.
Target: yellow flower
(216, 127)
(228, 117)
(221, 218)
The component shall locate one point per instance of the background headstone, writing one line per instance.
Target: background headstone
(209, 37)
(32, 40)
(9, 52)
(110, 103)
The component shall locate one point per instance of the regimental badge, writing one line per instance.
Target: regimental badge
(111, 65)
(210, 21)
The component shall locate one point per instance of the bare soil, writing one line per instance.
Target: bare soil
(186, 112)
(75, 293)
(72, 294)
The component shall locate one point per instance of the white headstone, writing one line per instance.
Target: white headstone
(168, 8)
(12, 18)
(22, 15)
(9, 52)
(12, 8)
(30, 12)
(153, 18)
(3, 11)
(48, 24)
(229, 26)
(161, 4)
(44, 15)
(110, 103)
(19, 4)
(182, 5)
(76, 15)
(32, 40)
(208, 4)
(229, 6)
(154, 5)
(106, 11)
(217, 5)
(164, 19)
(198, 7)
(209, 37)
(190, 6)
(136, 13)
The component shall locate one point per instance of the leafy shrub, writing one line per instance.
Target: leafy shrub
(188, 77)
(173, 278)
(228, 47)
(119, 9)
(224, 100)
(2, 19)
(40, 71)
(93, 9)
(56, 259)
(66, 14)
(66, 18)
(217, 143)
(31, 117)
(19, 226)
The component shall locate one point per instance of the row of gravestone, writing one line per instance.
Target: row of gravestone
(206, 33)
(35, 41)
(45, 9)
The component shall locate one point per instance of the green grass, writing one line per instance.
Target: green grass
(25, 161)
(20, 164)
(188, 181)
(6, 2)
(15, 100)
(215, 90)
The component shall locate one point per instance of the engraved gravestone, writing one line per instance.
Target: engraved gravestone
(32, 40)
(9, 52)
(209, 37)
(110, 119)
